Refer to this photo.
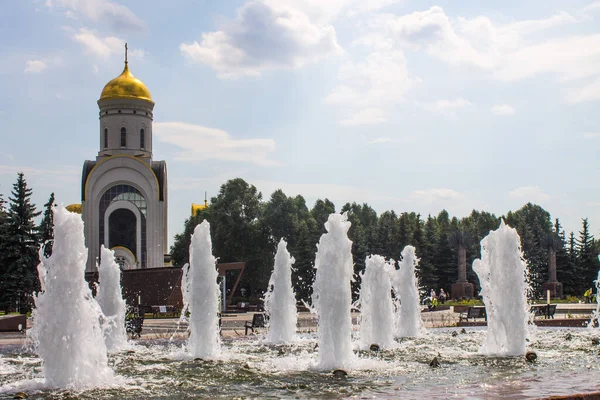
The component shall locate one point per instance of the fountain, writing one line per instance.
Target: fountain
(67, 334)
(110, 299)
(376, 305)
(406, 288)
(280, 300)
(503, 276)
(201, 295)
(72, 355)
(332, 295)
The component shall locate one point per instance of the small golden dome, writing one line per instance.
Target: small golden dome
(75, 208)
(126, 86)
(198, 207)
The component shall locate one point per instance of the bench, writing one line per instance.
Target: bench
(547, 311)
(258, 321)
(165, 310)
(473, 313)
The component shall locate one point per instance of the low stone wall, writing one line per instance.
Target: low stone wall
(13, 323)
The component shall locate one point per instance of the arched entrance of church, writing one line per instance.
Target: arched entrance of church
(122, 229)
(123, 224)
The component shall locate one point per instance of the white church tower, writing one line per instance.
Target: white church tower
(123, 191)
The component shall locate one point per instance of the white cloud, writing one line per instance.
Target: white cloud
(592, 7)
(435, 194)
(529, 193)
(104, 47)
(380, 79)
(507, 51)
(99, 46)
(591, 135)
(35, 66)
(382, 140)
(503, 110)
(446, 107)
(320, 11)
(569, 58)
(590, 92)
(264, 35)
(118, 16)
(368, 116)
(202, 143)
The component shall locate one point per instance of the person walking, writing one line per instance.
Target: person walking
(588, 295)
(442, 296)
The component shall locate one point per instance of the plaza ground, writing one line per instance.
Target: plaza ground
(233, 324)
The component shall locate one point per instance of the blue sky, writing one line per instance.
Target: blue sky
(404, 105)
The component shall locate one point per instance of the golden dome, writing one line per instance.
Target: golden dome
(126, 86)
(198, 207)
(75, 208)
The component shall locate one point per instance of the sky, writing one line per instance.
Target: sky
(404, 105)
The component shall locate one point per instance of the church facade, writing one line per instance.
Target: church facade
(124, 191)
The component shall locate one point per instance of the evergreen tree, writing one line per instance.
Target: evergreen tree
(20, 279)
(586, 257)
(3, 252)
(426, 254)
(362, 231)
(46, 227)
(387, 232)
(533, 224)
(563, 273)
(445, 256)
(576, 285)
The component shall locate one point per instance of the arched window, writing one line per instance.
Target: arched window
(142, 139)
(105, 138)
(123, 137)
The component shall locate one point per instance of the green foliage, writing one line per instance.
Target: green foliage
(534, 225)
(586, 256)
(19, 277)
(244, 228)
(46, 227)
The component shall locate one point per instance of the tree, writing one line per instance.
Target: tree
(20, 279)
(180, 251)
(239, 235)
(426, 253)
(364, 226)
(387, 232)
(533, 224)
(289, 218)
(46, 227)
(586, 257)
(444, 260)
(3, 251)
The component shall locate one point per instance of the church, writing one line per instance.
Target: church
(124, 191)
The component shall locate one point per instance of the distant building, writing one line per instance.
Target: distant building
(124, 191)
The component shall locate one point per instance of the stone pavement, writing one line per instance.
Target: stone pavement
(233, 324)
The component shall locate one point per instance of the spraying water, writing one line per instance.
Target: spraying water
(406, 288)
(376, 305)
(67, 333)
(502, 273)
(280, 300)
(111, 301)
(332, 295)
(201, 295)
